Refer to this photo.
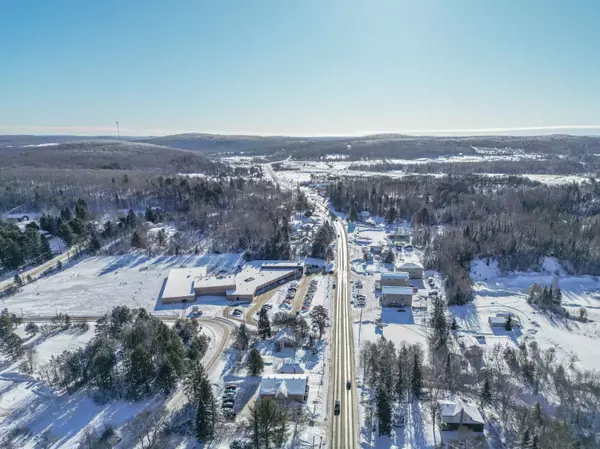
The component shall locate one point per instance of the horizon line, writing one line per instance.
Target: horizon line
(137, 132)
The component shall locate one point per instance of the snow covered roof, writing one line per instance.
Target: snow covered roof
(291, 368)
(214, 281)
(450, 409)
(285, 334)
(315, 261)
(388, 290)
(411, 265)
(283, 385)
(394, 275)
(246, 283)
(180, 282)
(282, 265)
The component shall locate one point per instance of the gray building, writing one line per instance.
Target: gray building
(396, 296)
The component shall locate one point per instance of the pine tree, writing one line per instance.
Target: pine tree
(320, 319)
(485, 395)
(391, 216)
(95, 243)
(535, 443)
(264, 325)
(45, 250)
(416, 380)
(384, 410)
(66, 233)
(166, 378)
(255, 364)
(81, 211)
(18, 281)
(136, 240)
(389, 257)
(353, 215)
(538, 415)
(439, 324)
(508, 324)
(401, 384)
(131, 219)
(525, 440)
(31, 328)
(203, 425)
(242, 338)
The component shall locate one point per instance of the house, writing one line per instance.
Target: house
(285, 338)
(396, 296)
(500, 320)
(394, 279)
(290, 368)
(456, 413)
(471, 346)
(284, 388)
(414, 269)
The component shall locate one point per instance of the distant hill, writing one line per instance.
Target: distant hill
(106, 154)
(375, 146)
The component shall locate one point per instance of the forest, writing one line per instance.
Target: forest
(459, 218)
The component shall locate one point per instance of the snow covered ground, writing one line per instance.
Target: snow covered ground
(94, 285)
(497, 293)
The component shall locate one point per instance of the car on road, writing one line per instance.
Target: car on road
(196, 312)
(237, 312)
(231, 387)
(348, 384)
(337, 409)
(415, 290)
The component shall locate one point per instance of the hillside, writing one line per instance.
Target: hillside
(106, 154)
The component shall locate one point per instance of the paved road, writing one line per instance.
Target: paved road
(344, 428)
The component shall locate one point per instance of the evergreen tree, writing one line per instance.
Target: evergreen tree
(320, 319)
(166, 378)
(18, 281)
(416, 380)
(203, 427)
(66, 215)
(45, 250)
(242, 337)
(139, 369)
(131, 219)
(264, 325)
(401, 385)
(192, 382)
(269, 423)
(353, 215)
(525, 440)
(255, 364)
(109, 230)
(384, 410)
(31, 328)
(81, 210)
(535, 442)
(136, 240)
(66, 233)
(389, 257)
(95, 243)
(439, 324)
(508, 324)
(161, 237)
(391, 216)
(485, 395)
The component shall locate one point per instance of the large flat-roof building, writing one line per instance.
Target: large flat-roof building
(179, 284)
(394, 279)
(396, 296)
(414, 269)
(185, 284)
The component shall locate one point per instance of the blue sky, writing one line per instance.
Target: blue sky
(322, 67)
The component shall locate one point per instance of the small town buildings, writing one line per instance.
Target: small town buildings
(284, 388)
(394, 279)
(414, 269)
(290, 368)
(365, 215)
(456, 413)
(396, 296)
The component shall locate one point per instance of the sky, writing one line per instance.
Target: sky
(310, 67)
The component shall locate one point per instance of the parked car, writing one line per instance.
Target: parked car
(415, 290)
(227, 406)
(337, 408)
(348, 384)
(237, 312)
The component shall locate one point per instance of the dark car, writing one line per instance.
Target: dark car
(337, 408)
(348, 385)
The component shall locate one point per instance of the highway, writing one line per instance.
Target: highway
(344, 428)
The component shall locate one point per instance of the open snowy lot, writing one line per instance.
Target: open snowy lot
(497, 293)
(94, 285)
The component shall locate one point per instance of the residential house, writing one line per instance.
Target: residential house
(456, 413)
(284, 388)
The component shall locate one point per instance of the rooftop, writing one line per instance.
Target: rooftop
(394, 275)
(283, 384)
(247, 282)
(181, 280)
(388, 290)
(449, 409)
(214, 281)
(411, 265)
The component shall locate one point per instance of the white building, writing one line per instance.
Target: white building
(396, 296)
(284, 388)
(414, 269)
(394, 278)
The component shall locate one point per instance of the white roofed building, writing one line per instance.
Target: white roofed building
(414, 269)
(396, 296)
(394, 279)
(284, 388)
(457, 413)
(179, 286)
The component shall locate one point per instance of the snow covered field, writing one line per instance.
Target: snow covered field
(496, 293)
(94, 285)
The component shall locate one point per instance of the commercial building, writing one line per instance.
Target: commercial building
(500, 320)
(396, 296)
(284, 388)
(394, 279)
(414, 270)
(179, 284)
